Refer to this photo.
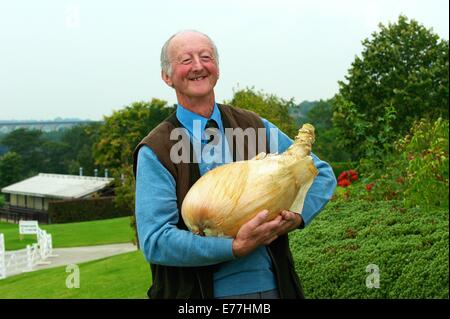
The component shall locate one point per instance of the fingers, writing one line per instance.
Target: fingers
(259, 219)
(293, 221)
(258, 231)
(288, 215)
(263, 231)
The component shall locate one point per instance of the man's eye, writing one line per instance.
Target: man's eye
(186, 61)
(206, 58)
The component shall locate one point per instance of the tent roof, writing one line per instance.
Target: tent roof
(58, 186)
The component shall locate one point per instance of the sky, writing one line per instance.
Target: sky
(87, 58)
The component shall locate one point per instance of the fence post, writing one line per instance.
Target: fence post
(2, 257)
(29, 259)
(50, 246)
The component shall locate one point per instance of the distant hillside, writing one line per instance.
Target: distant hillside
(57, 124)
(299, 112)
(58, 119)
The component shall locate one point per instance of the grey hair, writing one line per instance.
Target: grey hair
(166, 66)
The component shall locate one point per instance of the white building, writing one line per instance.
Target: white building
(36, 192)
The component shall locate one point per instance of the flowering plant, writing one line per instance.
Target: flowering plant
(347, 177)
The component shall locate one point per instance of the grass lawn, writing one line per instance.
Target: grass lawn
(99, 232)
(122, 276)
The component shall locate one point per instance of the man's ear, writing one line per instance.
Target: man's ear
(166, 78)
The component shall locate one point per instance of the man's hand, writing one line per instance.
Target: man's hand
(258, 232)
(292, 221)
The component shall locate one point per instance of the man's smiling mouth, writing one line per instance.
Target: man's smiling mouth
(199, 78)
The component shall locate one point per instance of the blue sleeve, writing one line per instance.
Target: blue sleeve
(161, 241)
(324, 185)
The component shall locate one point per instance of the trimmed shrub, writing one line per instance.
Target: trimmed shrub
(350, 242)
(77, 210)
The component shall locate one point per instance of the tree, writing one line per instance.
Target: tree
(320, 115)
(124, 129)
(325, 145)
(10, 168)
(80, 141)
(28, 144)
(118, 137)
(402, 76)
(54, 157)
(268, 106)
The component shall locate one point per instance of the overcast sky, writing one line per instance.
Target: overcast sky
(86, 58)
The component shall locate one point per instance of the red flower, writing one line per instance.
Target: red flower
(342, 176)
(353, 175)
(344, 182)
(347, 177)
(369, 186)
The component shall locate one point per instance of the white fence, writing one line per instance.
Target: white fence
(2, 257)
(23, 260)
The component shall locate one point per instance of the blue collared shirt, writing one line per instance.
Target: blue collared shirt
(157, 214)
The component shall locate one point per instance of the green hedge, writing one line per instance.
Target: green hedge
(336, 254)
(77, 210)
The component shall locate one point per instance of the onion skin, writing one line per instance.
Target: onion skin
(225, 198)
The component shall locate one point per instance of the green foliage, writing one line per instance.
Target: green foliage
(77, 210)
(125, 193)
(119, 136)
(268, 106)
(402, 76)
(2, 200)
(11, 166)
(80, 141)
(54, 157)
(321, 115)
(28, 144)
(409, 246)
(124, 129)
(339, 167)
(326, 146)
(300, 112)
(62, 152)
(416, 172)
(425, 150)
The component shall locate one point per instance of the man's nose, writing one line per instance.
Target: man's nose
(197, 63)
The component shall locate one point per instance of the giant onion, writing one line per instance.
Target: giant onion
(225, 198)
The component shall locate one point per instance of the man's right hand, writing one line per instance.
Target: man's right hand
(256, 232)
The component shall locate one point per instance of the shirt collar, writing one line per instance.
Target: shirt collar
(187, 118)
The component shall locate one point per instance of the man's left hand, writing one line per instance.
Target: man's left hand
(289, 222)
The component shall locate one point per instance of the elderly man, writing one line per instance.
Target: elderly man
(257, 263)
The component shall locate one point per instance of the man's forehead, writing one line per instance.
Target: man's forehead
(189, 41)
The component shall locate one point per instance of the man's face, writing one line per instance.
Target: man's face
(194, 68)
